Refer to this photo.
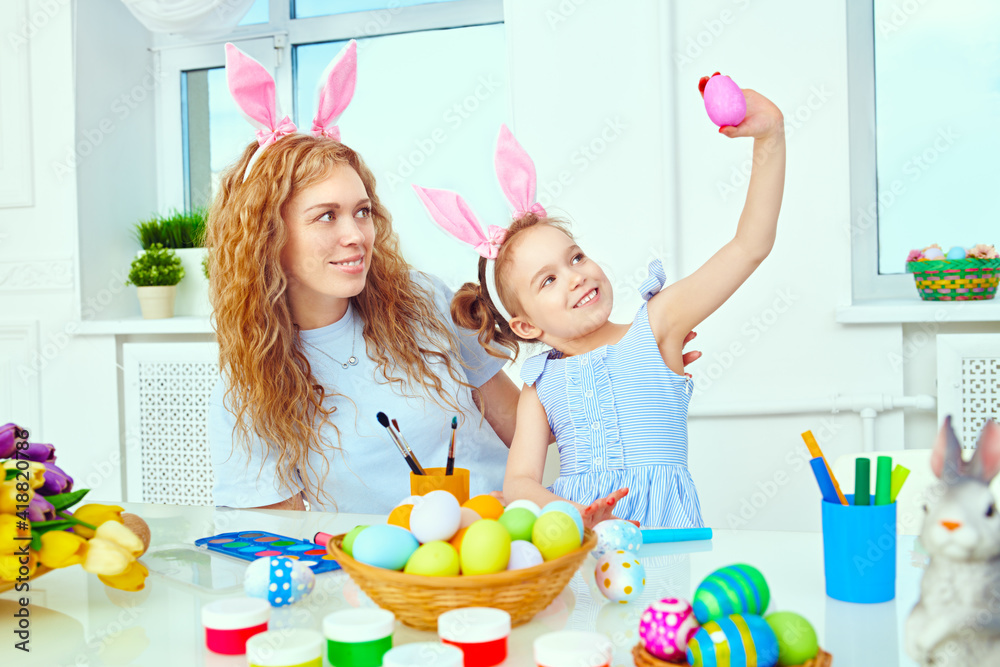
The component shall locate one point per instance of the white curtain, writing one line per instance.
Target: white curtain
(191, 18)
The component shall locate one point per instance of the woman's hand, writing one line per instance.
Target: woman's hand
(763, 119)
(600, 509)
(693, 355)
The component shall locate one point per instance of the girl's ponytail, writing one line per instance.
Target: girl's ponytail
(472, 308)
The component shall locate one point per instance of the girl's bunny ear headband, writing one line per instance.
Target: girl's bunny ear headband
(252, 89)
(516, 173)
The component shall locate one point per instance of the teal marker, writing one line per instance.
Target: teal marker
(862, 481)
(883, 481)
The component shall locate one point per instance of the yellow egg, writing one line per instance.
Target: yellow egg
(434, 559)
(555, 534)
(485, 548)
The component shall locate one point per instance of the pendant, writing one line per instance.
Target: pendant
(353, 361)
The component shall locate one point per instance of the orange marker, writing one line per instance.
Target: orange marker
(816, 452)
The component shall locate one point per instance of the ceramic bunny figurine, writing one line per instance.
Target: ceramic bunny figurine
(957, 620)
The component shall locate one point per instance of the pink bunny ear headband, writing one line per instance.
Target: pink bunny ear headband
(516, 173)
(252, 89)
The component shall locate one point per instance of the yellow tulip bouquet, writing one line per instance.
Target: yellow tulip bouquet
(39, 533)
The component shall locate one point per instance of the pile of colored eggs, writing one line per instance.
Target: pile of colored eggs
(619, 575)
(433, 535)
(728, 605)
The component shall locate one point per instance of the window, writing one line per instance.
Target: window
(923, 77)
(312, 8)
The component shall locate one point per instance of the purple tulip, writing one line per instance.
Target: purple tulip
(38, 451)
(40, 509)
(56, 481)
(7, 433)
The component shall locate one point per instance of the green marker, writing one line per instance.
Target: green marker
(899, 475)
(883, 481)
(862, 482)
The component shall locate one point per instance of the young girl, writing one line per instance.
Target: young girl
(614, 395)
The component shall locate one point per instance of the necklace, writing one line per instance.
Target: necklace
(352, 361)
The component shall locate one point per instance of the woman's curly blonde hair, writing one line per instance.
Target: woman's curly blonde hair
(271, 388)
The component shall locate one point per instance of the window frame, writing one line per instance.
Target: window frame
(867, 283)
(272, 45)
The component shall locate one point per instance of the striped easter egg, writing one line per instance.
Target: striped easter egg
(739, 640)
(736, 589)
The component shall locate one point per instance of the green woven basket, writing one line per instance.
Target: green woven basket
(956, 279)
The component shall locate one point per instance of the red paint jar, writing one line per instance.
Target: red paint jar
(230, 623)
(573, 648)
(481, 633)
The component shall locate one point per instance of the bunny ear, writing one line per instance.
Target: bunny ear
(516, 173)
(454, 216)
(252, 89)
(985, 462)
(336, 88)
(946, 457)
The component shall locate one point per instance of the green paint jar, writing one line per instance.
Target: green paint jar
(358, 637)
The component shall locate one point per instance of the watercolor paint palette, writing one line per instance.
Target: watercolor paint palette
(254, 544)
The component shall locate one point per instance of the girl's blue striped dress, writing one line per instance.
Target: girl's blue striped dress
(619, 415)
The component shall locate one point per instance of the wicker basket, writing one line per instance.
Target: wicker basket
(644, 659)
(418, 600)
(956, 279)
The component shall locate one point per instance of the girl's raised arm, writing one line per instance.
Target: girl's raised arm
(678, 308)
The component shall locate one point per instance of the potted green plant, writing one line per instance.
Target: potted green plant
(184, 232)
(155, 274)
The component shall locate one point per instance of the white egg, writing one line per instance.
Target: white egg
(523, 554)
(620, 576)
(436, 518)
(526, 504)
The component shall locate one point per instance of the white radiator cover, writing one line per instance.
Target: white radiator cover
(167, 386)
(968, 382)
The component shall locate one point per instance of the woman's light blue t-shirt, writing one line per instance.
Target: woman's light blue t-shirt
(368, 475)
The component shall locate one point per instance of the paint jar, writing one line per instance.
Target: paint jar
(457, 484)
(358, 637)
(481, 633)
(573, 648)
(424, 654)
(286, 648)
(230, 623)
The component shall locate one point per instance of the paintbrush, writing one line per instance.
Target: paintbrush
(451, 448)
(384, 421)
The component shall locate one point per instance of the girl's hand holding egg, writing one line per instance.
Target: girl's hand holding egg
(600, 509)
(740, 112)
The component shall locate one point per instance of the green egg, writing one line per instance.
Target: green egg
(797, 641)
(433, 559)
(555, 534)
(347, 546)
(518, 522)
(485, 548)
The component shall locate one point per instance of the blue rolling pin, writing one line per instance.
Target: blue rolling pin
(660, 535)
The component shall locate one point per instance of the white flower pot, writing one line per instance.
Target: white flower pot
(157, 302)
(192, 291)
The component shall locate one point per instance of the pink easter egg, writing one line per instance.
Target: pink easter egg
(724, 101)
(666, 627)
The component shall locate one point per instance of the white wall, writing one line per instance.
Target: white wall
(599, 72)
(61, 388)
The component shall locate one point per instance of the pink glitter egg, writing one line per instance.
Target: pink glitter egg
(666, 627)
(724, 101)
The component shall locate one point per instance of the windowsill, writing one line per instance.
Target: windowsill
(883, 311)
(137, 325)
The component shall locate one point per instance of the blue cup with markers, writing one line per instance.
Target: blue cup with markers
(859, 551)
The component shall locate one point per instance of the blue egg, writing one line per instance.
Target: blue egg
(566, 508)
(384, 545)
(615, 535)
(725, 636)
(957, 252)
(279, 580)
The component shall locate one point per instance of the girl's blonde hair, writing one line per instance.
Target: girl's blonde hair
(271, 388)
(473, 306)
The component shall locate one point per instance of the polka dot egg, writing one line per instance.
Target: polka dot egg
(666, 627)
(279, 580)
(614, 535)
(620, 576)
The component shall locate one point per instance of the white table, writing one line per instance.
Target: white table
(76, 620)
